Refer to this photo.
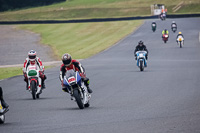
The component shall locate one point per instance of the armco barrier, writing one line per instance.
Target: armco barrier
(97, 19)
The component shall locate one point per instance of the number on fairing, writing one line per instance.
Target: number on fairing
(71, 79)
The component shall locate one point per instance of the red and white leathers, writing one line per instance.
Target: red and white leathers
(75, 65)
(38, 62)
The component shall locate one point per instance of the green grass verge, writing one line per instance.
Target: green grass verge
(82, 40)
(10, 72)
(85, 9)
(13, 71)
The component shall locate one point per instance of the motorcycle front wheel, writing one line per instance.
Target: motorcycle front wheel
(78, 99)
(141, 66)
(2, 119)
(33, 89)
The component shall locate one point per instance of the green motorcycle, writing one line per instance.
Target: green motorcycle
(153, 26)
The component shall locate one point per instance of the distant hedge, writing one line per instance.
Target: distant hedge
(17, 4)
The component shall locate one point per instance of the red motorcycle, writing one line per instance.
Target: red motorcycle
(165, 37)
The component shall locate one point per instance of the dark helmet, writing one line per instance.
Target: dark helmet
(32, 55)
(165, 30)
(140, 43)
(67, 59)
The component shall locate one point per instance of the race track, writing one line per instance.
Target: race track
(165, 98)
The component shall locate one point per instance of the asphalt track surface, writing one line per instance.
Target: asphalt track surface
(165, 98)
(15, 44)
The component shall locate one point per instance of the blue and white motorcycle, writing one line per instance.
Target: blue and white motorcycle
(141, 59)
(77, 88)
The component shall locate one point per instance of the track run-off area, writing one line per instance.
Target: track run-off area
(164, 98)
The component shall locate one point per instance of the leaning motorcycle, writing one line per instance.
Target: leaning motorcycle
(180, 41)
(77, 88)
(2, 113)
(34, 80)
(141, 59)
(174, 28)
(165, 37)
(153, 26)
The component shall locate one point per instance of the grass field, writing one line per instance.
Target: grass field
(82, 40)
(10, 72)
(13, 71)
(84, 9)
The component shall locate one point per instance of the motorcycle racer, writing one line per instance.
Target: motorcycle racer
(165, 31)
(4, 104)
(33, 59)
(173, 24)
(179, 34)
(141, 47)
(68, 64)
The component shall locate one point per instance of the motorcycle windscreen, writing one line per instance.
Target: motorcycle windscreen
(78, 79)
(70, 77)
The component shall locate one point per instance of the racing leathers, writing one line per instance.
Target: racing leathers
(165, 32)
(3, 103)
(179, 36)
(76, 66)
(173, 25)
(38, 62)
(141, 48)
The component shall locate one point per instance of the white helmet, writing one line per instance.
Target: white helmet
(32, 55)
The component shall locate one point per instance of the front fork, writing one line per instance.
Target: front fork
(38, 86)
(138, 62)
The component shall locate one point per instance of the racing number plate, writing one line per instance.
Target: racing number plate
(71, 79)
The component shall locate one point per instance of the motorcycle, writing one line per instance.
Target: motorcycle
(77, 88)
(163, 16)
(2, 113)
(165, 37)
(174, 28)
(153, 27)
(180, 41)
(34, 81)
(141, 59)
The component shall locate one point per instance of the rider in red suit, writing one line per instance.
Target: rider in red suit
(69, 63)
(32, 59)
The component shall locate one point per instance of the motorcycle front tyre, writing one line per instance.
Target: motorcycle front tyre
(33, 89)
(2, 119)
(141, 66)
(78, 99)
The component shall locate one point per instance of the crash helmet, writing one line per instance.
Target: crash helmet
(67, 59)
(180, 33)
(140, 43)
(32, 55)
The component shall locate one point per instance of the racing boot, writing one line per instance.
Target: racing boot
(43, 85)
(89, 90)
(87, 82)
